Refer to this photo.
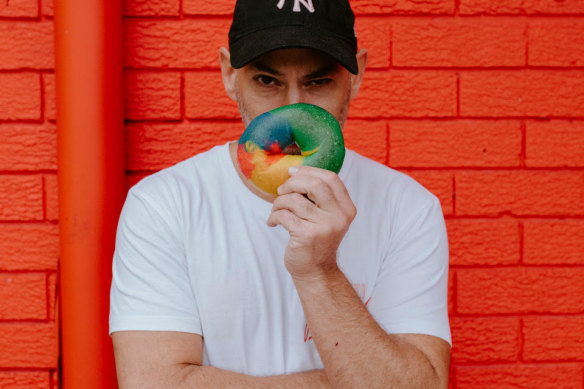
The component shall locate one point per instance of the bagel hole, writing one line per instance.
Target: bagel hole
(292, 149)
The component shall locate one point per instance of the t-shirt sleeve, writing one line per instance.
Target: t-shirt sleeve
(151, 288)
(410, 293)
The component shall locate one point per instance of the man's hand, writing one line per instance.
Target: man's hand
(315, 207)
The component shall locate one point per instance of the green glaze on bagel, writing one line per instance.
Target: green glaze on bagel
(314, 130)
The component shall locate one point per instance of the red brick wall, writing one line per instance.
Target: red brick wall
(29, 342)
(482, 101)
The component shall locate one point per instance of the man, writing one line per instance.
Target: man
(339, 281)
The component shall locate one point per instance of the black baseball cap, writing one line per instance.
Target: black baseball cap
(261, 26)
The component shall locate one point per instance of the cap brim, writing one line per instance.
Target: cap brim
(251, 46)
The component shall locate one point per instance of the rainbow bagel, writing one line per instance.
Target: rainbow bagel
(261, 153)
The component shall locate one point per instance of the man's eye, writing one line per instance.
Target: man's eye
(266, 80)
(319, 81)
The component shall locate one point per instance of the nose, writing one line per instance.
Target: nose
(293, 95)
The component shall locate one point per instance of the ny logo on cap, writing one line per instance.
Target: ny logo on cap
(307, 3)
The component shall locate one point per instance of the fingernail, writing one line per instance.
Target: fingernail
(293, 170)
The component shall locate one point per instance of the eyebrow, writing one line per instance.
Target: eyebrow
(262, 67)
(324, 71)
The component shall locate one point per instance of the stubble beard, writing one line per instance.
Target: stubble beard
(341, 118)
(243, 112)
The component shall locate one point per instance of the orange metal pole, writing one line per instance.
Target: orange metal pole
(91, 181)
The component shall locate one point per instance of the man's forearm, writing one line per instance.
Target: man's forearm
(192, 376)
(355, 351)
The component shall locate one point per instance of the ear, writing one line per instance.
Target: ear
(356, 79)
(227, 73)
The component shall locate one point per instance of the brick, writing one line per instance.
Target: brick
(20, 96)
(48, 8)
(466, 143)
(459, 42)
(53, 296)
(537, 93)
(373, 34)
(368, 138)
(556, 42)
(205, 97)
(406, 93)
(27, 45)
(51, 194)
(19, 8)
(519, 377)
(451, 292)
(55, 380)
(156, 146)
(50, 96)
(25, 379)
(29, 247)
(516, 7)
(29, 345)
(21, 197)
(553, 338)
(151, 7)
(520, 193)
(152, 95)
(555, 143)
(520, 290)
(28, 147)
(403, 7)
(23, 296)
(483, 242)
(481, 340)
(439, 183)
(559, 242)
(174, 43)
(216, 7)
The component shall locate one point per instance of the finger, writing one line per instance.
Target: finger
(286, 219)
(315, 188)
(332, 179)
(298, 204)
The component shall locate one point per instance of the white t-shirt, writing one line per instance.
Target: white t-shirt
(194, 254)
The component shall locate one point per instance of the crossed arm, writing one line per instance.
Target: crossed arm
(356, 353)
